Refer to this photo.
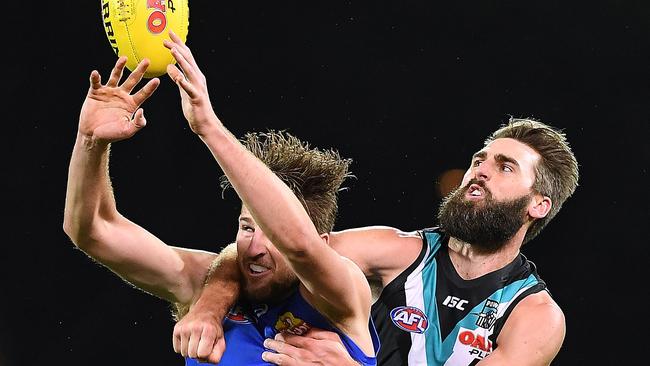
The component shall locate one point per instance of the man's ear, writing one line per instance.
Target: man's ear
(326, 237)
(541, 206)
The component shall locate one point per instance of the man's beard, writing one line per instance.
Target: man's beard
(486, 225)
(274, 292)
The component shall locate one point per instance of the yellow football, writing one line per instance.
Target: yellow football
(136, 29)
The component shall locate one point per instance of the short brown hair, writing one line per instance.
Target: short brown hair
(315, 176)
(556, 174)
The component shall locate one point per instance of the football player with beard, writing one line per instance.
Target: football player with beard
(461, 293)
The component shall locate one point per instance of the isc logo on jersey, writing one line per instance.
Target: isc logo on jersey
(410, 319)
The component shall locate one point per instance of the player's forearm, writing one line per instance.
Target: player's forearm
(93, 224)
(265, 195)
(88, 194)
(221, 288)
(283, 219)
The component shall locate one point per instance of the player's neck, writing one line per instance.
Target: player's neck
(471, 263)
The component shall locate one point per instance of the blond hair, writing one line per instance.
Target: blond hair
(315, 176)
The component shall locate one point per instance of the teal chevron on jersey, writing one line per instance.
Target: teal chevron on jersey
(464, 316)
(432, 340)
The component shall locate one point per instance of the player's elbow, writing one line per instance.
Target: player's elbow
(72, 228)
(75, 224)
(82, 233)
(78, 234)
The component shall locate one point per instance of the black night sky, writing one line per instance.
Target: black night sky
(407, 89)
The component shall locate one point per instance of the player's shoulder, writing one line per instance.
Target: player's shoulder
(376, 240)
(541, 307)
(378, 232)
(541, 298)
(380, 251)
(534, 331)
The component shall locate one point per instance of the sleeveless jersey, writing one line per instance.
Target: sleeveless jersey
(246, 327)
(429, 315)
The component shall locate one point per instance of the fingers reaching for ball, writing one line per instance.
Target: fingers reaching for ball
(183, 56)
(111, 112)
(192, 84)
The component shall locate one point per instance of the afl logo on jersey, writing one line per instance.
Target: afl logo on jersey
(410, 319)
(237, 315)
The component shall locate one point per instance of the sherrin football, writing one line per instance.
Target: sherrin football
(136, 29)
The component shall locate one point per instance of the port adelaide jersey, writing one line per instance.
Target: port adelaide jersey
(430, 316)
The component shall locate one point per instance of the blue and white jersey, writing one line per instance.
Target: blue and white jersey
(246, 327)
(430, 316)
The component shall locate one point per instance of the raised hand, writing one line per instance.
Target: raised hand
(111, 112)
(192, 85)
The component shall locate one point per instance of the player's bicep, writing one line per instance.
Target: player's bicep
(380, 252)
(532, 335)
(142, 259)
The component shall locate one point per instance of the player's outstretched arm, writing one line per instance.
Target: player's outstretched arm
(340, 286)
(381, 252)
(111, 112)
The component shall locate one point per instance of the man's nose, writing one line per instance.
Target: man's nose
(257, 245)
(483, 171)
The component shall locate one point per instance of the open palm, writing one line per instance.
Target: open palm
(110, 112)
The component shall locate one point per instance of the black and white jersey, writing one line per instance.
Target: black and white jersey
(430, 316)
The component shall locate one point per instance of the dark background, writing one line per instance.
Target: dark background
(408, 89)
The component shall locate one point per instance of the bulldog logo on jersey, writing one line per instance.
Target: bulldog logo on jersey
(237, 315)
(288, 322)
(410, 319)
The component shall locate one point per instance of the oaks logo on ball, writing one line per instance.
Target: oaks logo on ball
(410, 319)
(136, 29)
(157, 20)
